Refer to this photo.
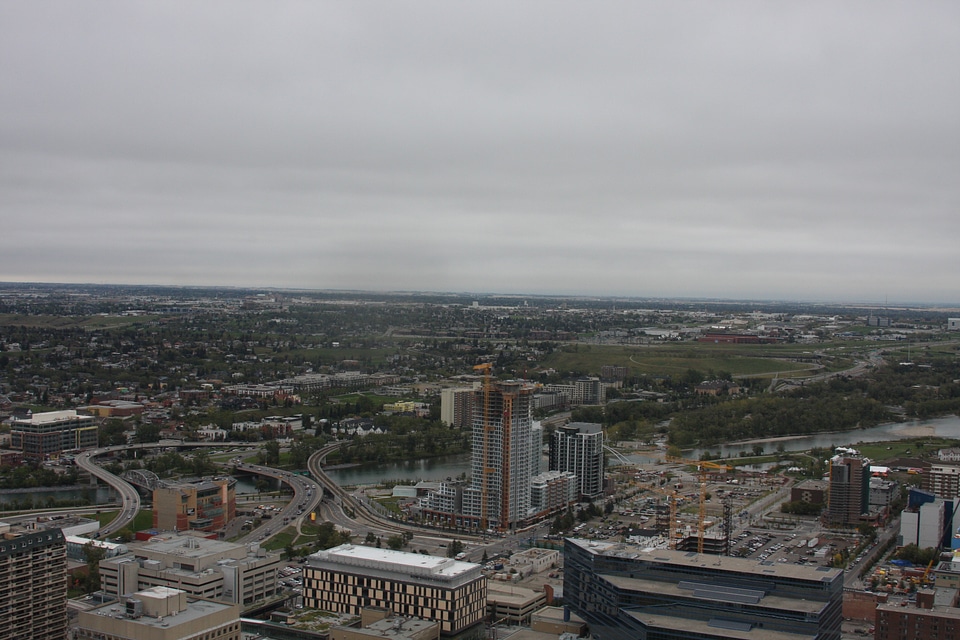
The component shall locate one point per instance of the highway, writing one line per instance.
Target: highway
(130, 498)
(364, 518)
(306, 498)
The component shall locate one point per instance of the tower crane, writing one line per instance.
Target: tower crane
(702, 467)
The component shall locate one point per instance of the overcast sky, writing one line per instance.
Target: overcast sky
(785, 150)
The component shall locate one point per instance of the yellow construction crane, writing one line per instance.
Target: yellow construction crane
(671, 497)
(702, 467)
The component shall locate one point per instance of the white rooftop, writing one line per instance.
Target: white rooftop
(390, 560)
(51, 417)
(158, 592)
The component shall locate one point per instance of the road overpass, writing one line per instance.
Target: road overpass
(130, 498)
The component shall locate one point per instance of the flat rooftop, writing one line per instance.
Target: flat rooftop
(51, 417)
(196, 610)
(692, 559)
(687, 625)
(416, 564)
(675, 592)
(187, 546)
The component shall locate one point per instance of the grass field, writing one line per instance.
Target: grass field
(72, 322)
(281, 540)
(880, 452)
(662, 360)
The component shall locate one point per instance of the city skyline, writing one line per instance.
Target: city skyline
(686, 150)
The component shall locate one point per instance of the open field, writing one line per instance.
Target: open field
(280, 540)
(661, 360)
(881, 452)
(72, 322)
(143, 520)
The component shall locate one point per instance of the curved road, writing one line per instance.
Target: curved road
(362, 513)
(130, 505)
(130, 498)
(306, 497)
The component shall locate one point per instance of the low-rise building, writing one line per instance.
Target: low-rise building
(381, 624)
(160, 613)
(553, 491)
(204, 505)
(349, 578)
(934, 616)
(812, 491)
(211, 569)
(536, 560)
(513, 605)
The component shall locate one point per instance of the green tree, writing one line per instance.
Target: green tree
(93, 556)
(148, 433)
(271, 453)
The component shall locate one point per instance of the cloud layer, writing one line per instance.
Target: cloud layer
(744, 150)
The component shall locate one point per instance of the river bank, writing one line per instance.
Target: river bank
(943, 427)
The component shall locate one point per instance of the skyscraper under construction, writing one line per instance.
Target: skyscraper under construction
(506, 454)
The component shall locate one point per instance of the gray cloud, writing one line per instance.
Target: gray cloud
(737, 149)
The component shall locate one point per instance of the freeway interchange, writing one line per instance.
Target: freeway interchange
(306, 492)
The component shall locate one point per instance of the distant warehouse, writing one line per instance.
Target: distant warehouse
(736, 338)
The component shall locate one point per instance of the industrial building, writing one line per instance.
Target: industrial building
(350, 578)
(628, 592)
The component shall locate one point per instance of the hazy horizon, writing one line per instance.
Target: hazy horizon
(735, 151)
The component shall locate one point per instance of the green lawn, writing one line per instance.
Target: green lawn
(880, 452)
(143, 519)
(281, 540)
(71, 322)
(748, 360)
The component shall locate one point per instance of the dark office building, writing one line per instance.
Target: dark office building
(626, 592)
(848, 496)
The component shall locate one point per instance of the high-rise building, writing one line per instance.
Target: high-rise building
(33, 584)
(456, 407)
(629, 592)
(578, 448)
(350, 578)
(943, 480)
(160, 613)
(42, 436)
(589, 390)
(505, 456)
(848, 496)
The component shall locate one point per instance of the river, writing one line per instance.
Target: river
(40, 497)
(452, 466)
(945, 427)
(439, 468)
